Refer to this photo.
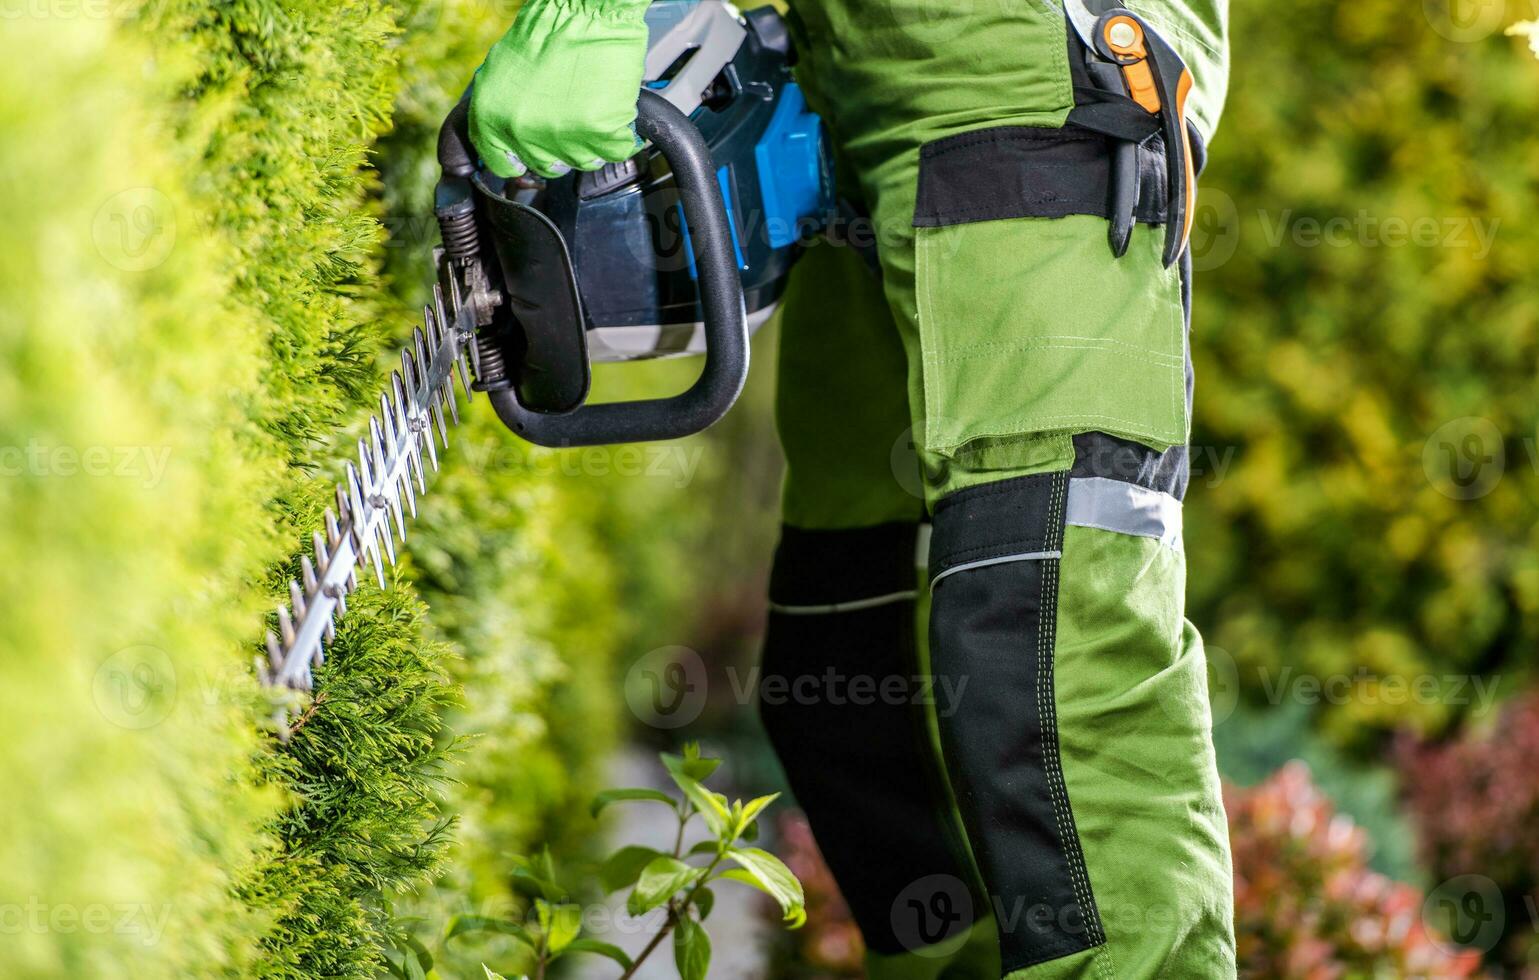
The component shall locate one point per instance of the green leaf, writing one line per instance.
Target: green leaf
(624, 866)
(420, 952)
(542, 914)
(609, 796)
(705, 900)
(565, 924)
(463, 924)
(531, 885)
(691, 764)
(492, 974)
(691, 949)
(546, 867)
(766, 872)
(706, 847)
(603, 949)
(753, 808)
(712, 806)
(659, 881)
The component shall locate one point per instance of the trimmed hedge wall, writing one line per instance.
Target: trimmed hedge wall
(195, 246)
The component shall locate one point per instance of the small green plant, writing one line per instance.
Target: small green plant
(679, 881)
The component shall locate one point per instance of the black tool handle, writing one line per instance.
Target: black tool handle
(721, 301)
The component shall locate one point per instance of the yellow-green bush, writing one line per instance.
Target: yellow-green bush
(1348, 363)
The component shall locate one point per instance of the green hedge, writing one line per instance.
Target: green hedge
(194, 282)
(1370, 385)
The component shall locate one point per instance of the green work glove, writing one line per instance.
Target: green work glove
(559, 90)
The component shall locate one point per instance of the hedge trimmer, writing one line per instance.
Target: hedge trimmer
(679, 250)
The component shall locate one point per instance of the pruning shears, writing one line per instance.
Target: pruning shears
(1125, 56)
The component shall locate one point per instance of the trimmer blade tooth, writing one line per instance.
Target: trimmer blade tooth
(285, 628)
(297, 601)
(321, 550)
(358, 508)
(274, 652)
(453, 327)
(307, 574)
(449, 402)
(386, 485)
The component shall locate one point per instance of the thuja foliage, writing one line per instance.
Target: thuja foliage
(133, 503)
(192, 307)
(1366, 501)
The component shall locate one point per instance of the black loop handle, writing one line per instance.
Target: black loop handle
(721, 302)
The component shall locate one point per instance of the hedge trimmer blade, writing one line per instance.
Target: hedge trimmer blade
(369, 512)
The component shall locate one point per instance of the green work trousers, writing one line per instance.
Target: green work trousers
(978, 672)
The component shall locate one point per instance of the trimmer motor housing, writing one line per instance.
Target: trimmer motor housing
(608, 265)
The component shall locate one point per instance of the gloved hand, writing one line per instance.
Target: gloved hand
(559, 90)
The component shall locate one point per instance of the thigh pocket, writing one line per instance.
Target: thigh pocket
(1030, 324)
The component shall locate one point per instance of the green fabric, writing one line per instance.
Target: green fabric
(974, 956)
(1008, 338)
(842, 401)
(1135, 740)
(559, 90)
(1034, 326)
(965, 298)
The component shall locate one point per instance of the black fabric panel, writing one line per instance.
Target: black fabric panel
(1026, 172)
(1097, 454)
(992, 628)
(860, 762)
(1012, 517)
(815, 568)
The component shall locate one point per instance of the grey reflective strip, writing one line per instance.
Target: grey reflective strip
(922, 546)
(843, 607)
(1123, 508)
(1006, 560)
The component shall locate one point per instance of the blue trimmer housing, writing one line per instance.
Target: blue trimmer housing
(633, 261)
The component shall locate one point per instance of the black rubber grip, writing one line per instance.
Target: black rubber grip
(721, 301)
(455, 154)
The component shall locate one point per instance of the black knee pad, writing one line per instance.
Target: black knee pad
(993, 573)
